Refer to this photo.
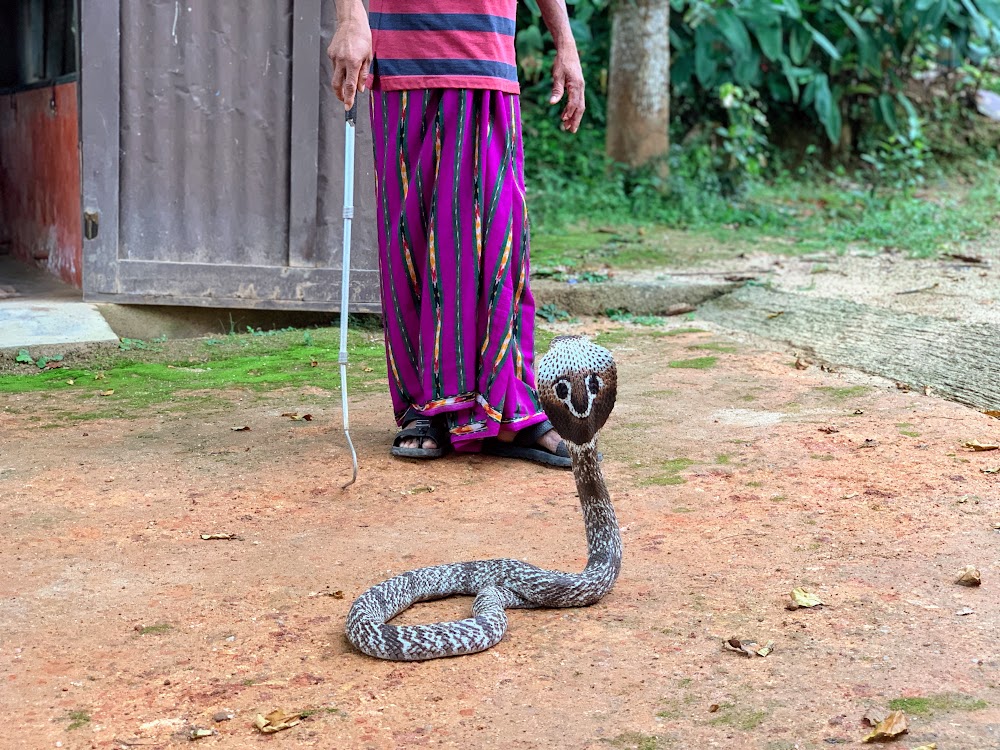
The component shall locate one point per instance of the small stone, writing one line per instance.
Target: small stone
(969, 576)
(222, 716)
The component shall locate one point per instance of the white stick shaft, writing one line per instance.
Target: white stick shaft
(345, 285)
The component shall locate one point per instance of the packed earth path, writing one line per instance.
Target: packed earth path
(736, 477)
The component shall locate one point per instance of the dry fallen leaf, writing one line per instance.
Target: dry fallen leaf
(977, 446)
(992, 413)
(296, 417)
(902, 387)
(928, 390)
(858, 412)
(713, 708)
(222, 536)
(991, 471)
(875, 715)
(829, 430)
(801, 364)
(891, 726)
(969, 576)
(334, 594)
(803, 598)
(71, 381)
(737, 646)
(418, 489)
(276, 721)
(313, 363)
(747, 648)
(932, 746)
(197, 733)
(869, 443)
(100, 375)
(244, 428)
(368, 369)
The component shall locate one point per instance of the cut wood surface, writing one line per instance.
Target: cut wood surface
(958, 360)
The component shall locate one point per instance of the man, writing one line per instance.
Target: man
(453, 230)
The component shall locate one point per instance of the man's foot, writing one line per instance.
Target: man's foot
(428, 443)
(539, 443)
(549, 441)
(421, 438)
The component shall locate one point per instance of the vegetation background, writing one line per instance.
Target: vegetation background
(820, 123)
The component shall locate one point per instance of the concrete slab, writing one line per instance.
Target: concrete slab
(659, 297)
(36, 309)
(27, 323)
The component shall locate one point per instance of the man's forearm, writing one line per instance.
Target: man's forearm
(556, 19)
(350, 10)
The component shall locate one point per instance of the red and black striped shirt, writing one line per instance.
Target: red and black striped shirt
(453, 44)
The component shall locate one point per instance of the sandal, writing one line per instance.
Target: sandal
(424, 429)
(525, 446)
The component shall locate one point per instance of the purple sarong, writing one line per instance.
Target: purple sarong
(453, 256)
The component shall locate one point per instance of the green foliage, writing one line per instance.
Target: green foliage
(743, 142)
(830, 60)
(899, 160)
(551, 312)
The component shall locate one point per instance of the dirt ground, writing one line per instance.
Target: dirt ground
(120, 627)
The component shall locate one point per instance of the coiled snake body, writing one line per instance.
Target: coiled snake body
(577, 383)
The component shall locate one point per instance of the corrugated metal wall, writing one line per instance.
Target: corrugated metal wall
(213, 156)
(205, 131)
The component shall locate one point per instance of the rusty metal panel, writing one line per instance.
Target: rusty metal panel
(40, 178)
(228, 167)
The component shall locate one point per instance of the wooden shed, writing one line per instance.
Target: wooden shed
(181, 153)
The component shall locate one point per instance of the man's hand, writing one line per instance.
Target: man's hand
(567, 76)
(350, 51)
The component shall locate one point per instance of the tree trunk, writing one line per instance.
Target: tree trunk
(639, 82)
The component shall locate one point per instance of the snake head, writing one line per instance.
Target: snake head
(577, 384)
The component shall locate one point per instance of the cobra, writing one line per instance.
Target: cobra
(577, 384)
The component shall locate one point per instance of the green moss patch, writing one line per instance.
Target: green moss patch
(698, 363)
(939, 703)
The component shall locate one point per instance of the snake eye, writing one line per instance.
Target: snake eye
(594, 384)
(562, 390)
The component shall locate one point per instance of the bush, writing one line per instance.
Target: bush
(833, 61)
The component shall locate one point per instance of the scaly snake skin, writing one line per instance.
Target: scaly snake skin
(577, 382)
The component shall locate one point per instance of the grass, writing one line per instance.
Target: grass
(177, 375)
(681, 331)
(77, 719)
(636, 741)
(715, 346)
(740, 718)
(905, 428)
(669, 473)
(938, 703)
(698, 363)
(158, 629)
(843, 393)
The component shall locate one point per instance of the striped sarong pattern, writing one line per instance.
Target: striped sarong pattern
(453, 255)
